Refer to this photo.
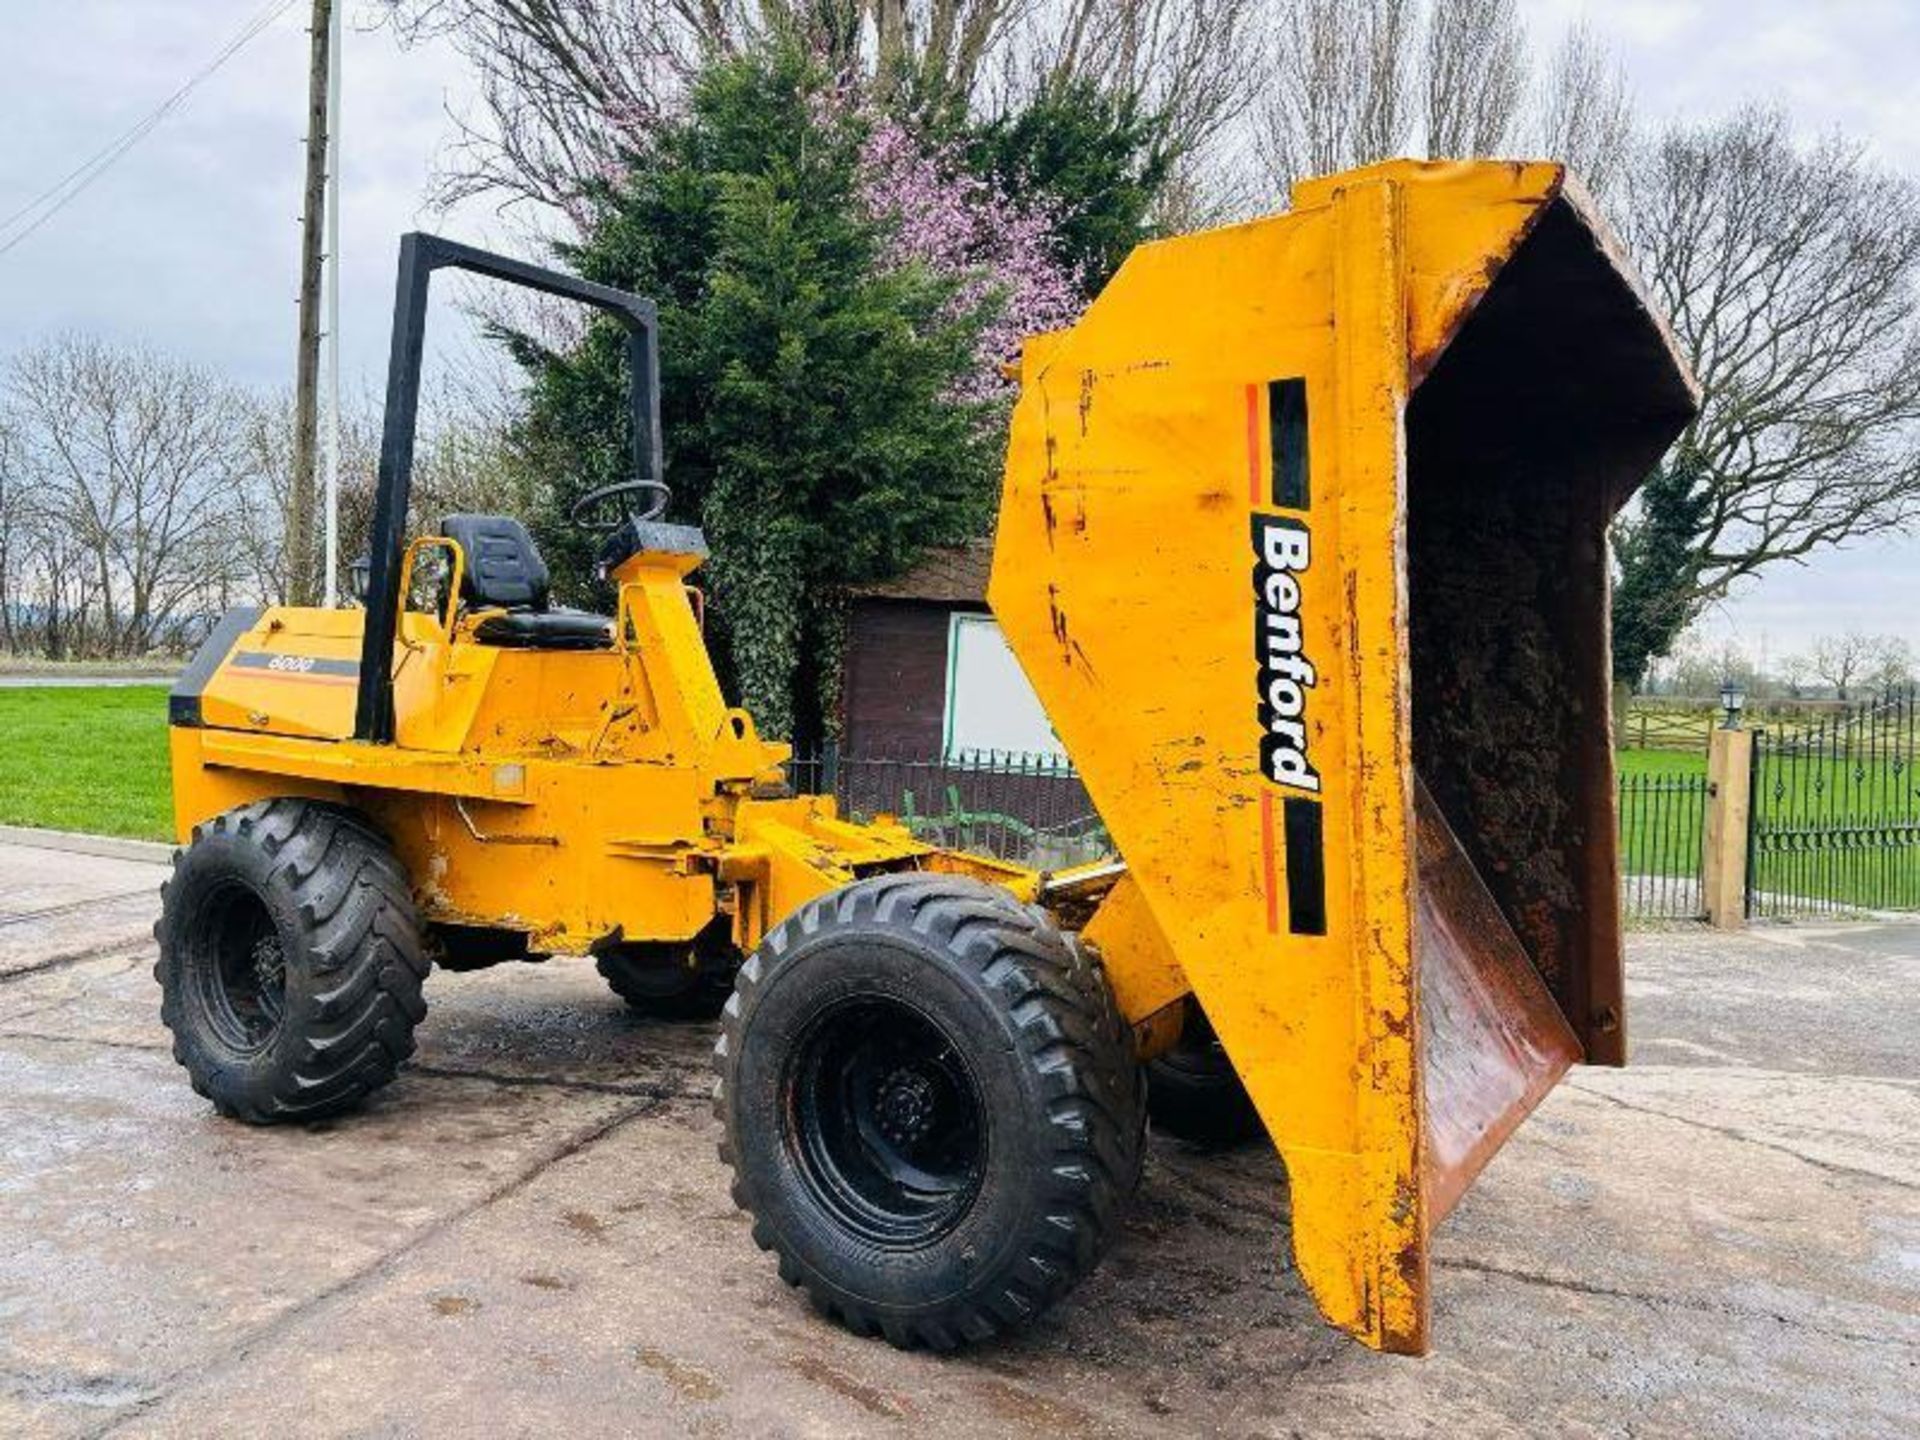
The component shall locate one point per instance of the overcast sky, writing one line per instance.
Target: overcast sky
(190, 242)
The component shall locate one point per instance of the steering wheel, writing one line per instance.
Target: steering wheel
(598, 513)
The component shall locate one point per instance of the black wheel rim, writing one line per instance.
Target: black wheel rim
(885, 1122)
(239, 965)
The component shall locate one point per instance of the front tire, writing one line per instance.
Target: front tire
(291, 962)
(932, 1107)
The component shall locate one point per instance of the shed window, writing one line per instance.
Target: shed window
(991, 709)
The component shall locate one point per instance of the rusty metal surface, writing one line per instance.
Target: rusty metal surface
(1493, 1043)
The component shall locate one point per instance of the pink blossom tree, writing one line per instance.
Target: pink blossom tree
(997, 250)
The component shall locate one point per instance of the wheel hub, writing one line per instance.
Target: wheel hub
(906, 1106)
(269, 965)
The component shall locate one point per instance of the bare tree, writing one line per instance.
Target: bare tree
(1891, 665)
(1840, 660)
(1789, 276)
(561, 82)
(257, 526)
(1476, 77)
(140, 496)
(1583, 109)
(1355, 81)
(1855, 661)
(565, 84)
(459, 464)
(1700, 666)
(1341, 87)
(56, 595)
(132, 458)
(1794, 672)
(1188, 61)
(13, 523)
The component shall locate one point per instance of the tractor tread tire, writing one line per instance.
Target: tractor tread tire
(704, 995)
(355, 962)
(1194, 1094)
(1064, 1031)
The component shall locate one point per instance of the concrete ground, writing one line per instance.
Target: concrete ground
(529, 1234)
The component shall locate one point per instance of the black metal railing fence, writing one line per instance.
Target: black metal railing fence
(1031, 809)
(1835, 815)
(1662, 821)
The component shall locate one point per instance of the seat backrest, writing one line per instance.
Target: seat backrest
(502, 566)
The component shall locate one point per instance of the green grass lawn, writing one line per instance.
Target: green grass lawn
(1660, 762)
(90, 758)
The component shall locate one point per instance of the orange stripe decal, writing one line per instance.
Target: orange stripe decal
(1253, 446)
(306, 679)
(1266, 861)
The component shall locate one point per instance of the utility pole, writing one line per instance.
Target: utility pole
(306, 382)
(331, 553)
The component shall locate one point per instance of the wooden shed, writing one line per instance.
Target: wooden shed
(927, 673)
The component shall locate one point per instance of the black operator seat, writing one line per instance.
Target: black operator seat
(505, 572)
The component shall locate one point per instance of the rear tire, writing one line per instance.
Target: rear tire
(290, 962)
(1194, 1093)
(666, 982)
(932, 1107)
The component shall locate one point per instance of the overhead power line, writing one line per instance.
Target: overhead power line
(56, 197)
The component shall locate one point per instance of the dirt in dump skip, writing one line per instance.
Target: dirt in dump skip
(1494, 700)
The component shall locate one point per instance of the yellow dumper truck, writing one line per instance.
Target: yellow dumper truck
(1302, 544)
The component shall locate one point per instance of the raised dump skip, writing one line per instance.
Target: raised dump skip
(1303, 547)
(1538, 419)
(1540, 416)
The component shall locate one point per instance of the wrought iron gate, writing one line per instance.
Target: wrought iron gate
(1661, 820)
(1835, 817)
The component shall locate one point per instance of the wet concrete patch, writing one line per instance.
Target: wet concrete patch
(154, 1236)
(688, 1381)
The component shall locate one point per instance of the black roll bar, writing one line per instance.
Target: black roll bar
(420, 255)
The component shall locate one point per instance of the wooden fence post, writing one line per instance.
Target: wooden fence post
(1723, 845)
